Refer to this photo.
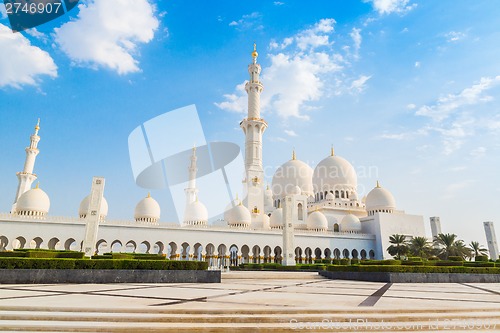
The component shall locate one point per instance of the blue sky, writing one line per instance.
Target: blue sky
(407, 88)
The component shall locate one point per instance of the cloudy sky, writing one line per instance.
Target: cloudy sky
(406, 90)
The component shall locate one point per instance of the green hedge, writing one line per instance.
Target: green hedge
(42, 253)
(414, 269)
(481, 258)
(8, 254)
(479, 264)
(56, 263)
(449, 263)
(412, 263)
(455, 258)
(389, 262)
(414, 259)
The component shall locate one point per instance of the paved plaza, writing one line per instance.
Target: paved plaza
(251, 302)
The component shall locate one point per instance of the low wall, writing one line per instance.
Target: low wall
(36, 276)
(413, 277)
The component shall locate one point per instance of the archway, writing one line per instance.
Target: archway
(328, 254)
(144, 247)
(222, 255)
(345, 254)
(185, 248)
(256, 254)
(3, 243)
(372, 254)
(71, 245)
(278, 256)
(116, 246)
(298, 255)
(336, 253)
(53, 242)
(233, 255)
(267, 253)
(172, 251)
(101, 246)
(245, 250)
(308, 253)
(210, 253)
(317, 254)
(198, 252)
(19, 243)
(363, 254)
(354, 254)
(158, 248)
(36, 243)
(130, 247)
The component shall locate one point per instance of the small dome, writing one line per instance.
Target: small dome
(380, 199)
(276, 221)
(240, 216)
(317, 221)
(330, 196)
(196, 214)
(147, 210)
(290, 174)
(229, 209)
(333, 173)
(350, 223)
(34, 202)
(84, 207)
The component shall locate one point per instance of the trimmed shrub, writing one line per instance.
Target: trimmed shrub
(481, 258)
(412, 263)
(414, 269)
(9, 254)
(354, 261)
(56, 263)
(455, 258)
(449, 263)
(336, 262)
(122, 256)
(390, 262)
(102, 257)
(326, 261)
(414, 258)
(433, 258)
(479, 264)
(344, 261)
(270, 265)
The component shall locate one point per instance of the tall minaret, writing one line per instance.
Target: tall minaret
(253, 127)
(191, 191)
(27, 177)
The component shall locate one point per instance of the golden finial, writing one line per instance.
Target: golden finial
(294, 156)
(332, 151)
(196, 197)
(240, 204)
(149, 195)
(378, 184)
(267, 187)
(237, 199)
(279, 203)
(255, 54)
(37, 185)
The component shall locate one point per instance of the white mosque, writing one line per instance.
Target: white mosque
(328, 218)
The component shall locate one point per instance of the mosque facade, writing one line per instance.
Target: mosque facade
(328, 218)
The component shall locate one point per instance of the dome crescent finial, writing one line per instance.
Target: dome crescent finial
(378, 184)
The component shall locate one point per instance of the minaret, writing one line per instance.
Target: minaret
(253, 127)
(191, 191)
(27, 177)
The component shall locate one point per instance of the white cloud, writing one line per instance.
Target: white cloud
(455, 36)
(478, 152)
(250, 21)
(392, 6)
(290, 133)
(236, 102)
(417, 64)
(454, 189)
(360, 84)
(399, 136)
(107, 33)
(297, 73)
(446, 105)
(22, 63)
(278, 3)
(37, 34)
(411, 106)
(356, 38)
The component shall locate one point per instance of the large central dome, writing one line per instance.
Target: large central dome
(291, 174)
(333, 173)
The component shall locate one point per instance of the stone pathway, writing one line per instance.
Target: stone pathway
(252, 302)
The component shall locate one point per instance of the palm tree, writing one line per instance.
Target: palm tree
(420, 247)
(449, 245)
(477, 249)
(399, 245)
